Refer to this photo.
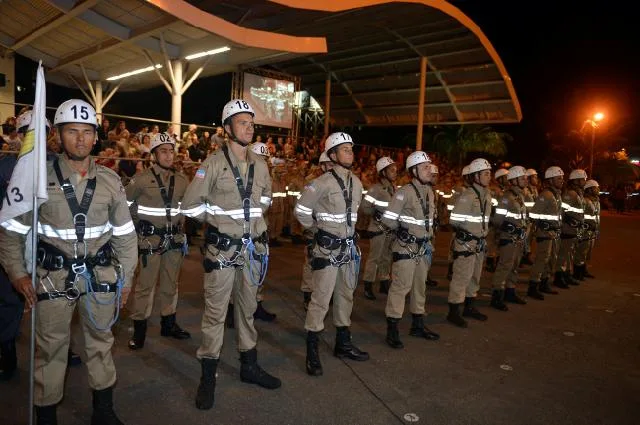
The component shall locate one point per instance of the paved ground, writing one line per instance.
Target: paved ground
(572, 359)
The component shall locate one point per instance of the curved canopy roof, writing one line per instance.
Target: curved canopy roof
(371, 50)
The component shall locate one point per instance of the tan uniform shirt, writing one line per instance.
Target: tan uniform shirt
(146, 202)
(406, 210)
(322, 203)
(213, 195)
(108, 220)
(511, 209)
(572, 211)
(472, 210)
(547, 213)
(377, 201)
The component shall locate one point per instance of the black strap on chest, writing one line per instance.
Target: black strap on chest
(424, 204)
(245, 191)
(79, 211)
(347, 194)
(166, 196)
(483, 207)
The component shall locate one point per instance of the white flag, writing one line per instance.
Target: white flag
(30, 173)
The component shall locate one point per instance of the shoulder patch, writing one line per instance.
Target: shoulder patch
(400, 196)
(200, 174)
(310, 187)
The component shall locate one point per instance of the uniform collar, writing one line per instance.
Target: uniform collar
(251, 157)
(341, 171)
(70, 173)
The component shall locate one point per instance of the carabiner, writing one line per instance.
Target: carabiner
(75, 249)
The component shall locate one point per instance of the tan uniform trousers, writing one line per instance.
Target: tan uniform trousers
(492, 243)
(218, 288)
(408, 276)
(164, 270)
(339, 282)
(506, 274)
(466, 274)
(379, 259)
(53, 320)
(582, 251)
(307, 275)
(276, 222)
(544, 263)
(565, 254)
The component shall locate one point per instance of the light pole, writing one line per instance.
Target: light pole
(594, 123)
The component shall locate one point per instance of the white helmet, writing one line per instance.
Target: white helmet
(501, 172)
(260, 148)
(478, 165)
(336, 139)
(591, 183)
(234, 107)
(515, 172)
(24, 120)
(323, 158)
(383, 163)
(465, 171)
(434, 169)
(531, 172)
(578, 174)
(162, 139)
(75, 111)
(417, 157)
(553, 172)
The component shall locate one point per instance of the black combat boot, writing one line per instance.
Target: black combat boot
(139, 334)
(545, 288)
(569, 279)
(450, 272)
(262, 314)
(368, 291)
(306, 296)
(511, 296)
(46, 415)
(103, 413)
(8, 359)
(560, 281)
(454, 316)
(497, 300)
(207, 387)
(420, 330)
(252, 373)
(169, 328)
(533, 290)
(586, 272)
(578, 272)
(345, 348)
(471, 311)
(230, 321)
(314, 367)
(384, 286)
(393, 336)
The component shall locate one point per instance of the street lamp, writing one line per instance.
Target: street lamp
(597, 117)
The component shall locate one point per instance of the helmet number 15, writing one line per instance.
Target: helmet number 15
(84, 113)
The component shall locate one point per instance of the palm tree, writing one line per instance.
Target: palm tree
(455, 142)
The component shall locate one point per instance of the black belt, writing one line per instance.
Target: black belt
(51, 258)
(571, 222)
(223, 242)
(377, 233)
(548, 226)
(146, 228)
(397, 256)
(505, 242)
(210, 265)
(318, 263)
(464, 236)
(567, 236)
(406, 237)
(457, 254)
(330, 241)
(159, 250)
(73, 294)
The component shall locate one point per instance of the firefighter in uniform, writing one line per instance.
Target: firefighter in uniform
(154, 197)
(279, 197)
(590, 229)
(492, 238)
(410, 214)
(470, 220)
(510, 222)
(329, 205)
(572, 226)
(295, 187)
(86, 257)
(436, 217)
(231, 191)
(530, 194)
(546, 213)
(306, 285)
(456, 191)
(375, 202)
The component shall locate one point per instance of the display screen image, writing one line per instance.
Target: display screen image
(271, 99)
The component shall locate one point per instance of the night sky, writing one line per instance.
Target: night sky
(565, 64)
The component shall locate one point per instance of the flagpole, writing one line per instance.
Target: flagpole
(34, 278)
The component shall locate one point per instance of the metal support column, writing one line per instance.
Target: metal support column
(176, 96)
(421, 100)
(99, 102)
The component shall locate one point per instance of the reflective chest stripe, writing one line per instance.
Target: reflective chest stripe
(303, 210)
(412, 220)
(546, 217)
(93, 232)
(529, 204)
(279, 194)
(336, 218)
(509, 214)
(467, 218)
(569, 208)
(375, 201)
(157, 212)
